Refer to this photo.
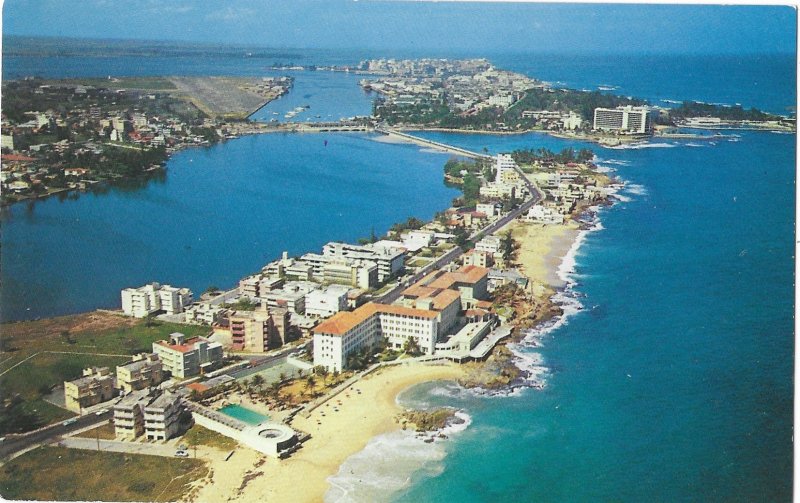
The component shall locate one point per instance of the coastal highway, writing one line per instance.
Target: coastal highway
(536, 196)
(13, 443)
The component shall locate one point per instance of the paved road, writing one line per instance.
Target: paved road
(536, 196)
(92, 444)
(15, 443)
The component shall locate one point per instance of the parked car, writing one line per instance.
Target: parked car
(181, 454)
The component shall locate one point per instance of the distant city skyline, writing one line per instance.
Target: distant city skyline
(441, 26)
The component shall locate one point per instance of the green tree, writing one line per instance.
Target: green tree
(411, 347)
(507, 246)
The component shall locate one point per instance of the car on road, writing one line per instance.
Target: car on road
(181, 454)
(69, 421)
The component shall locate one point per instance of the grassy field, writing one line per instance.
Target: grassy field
(38, 355)
(59, 474)
(198, 435)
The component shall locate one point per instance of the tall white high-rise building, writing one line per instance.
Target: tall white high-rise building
(628, 119)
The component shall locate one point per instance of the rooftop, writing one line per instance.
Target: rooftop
(344, 321)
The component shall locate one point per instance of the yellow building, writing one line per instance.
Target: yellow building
(144, 371)
(96, 386)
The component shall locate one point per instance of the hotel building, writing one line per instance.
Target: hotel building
(426, 311)
(627, 119)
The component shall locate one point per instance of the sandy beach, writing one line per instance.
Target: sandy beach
(335, 435)
(542, 247)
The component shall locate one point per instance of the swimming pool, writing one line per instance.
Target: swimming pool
(243, 414)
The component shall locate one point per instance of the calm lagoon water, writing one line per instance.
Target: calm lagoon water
(220, 213)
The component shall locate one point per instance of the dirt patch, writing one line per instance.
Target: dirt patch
(95, 321)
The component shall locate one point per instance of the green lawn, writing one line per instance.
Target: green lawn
(60, 474)
(199, 435)
(59, 348)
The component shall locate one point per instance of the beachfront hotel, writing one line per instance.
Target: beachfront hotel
(424, 312)
(627, 119)
(348, 332)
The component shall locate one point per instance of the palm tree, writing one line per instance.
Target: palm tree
(310, 382)
(258, 381)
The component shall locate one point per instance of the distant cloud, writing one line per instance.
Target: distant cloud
(159, 7)
(231, 14)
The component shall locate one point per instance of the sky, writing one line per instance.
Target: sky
(374, 24)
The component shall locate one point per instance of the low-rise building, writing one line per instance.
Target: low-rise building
(143, 371)
(544, 215)
(327, 302)
(478, 258)
(162, 416)
(489, 244)
(187, 357)
(129, 415)
(95, 386)
(149, 412)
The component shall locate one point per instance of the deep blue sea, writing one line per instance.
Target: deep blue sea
(673, 383)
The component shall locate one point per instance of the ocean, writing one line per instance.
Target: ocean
(672, 382)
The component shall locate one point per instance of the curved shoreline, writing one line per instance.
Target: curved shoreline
(335, 436)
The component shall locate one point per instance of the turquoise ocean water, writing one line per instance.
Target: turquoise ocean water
(672, 383)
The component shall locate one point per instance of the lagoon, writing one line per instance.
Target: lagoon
(218, 214)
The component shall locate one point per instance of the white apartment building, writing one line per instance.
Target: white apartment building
(417, 239)
(174, 300)
(142, 301)
(571, 121)
(187, 357)
(505, 168)
(327, 302)
(489, 244)
(544, 215)
(389, 260)
(148, 299)
(488, 209)
(626, 119)
(349, 331)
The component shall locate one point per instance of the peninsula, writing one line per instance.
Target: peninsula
(254, 391)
